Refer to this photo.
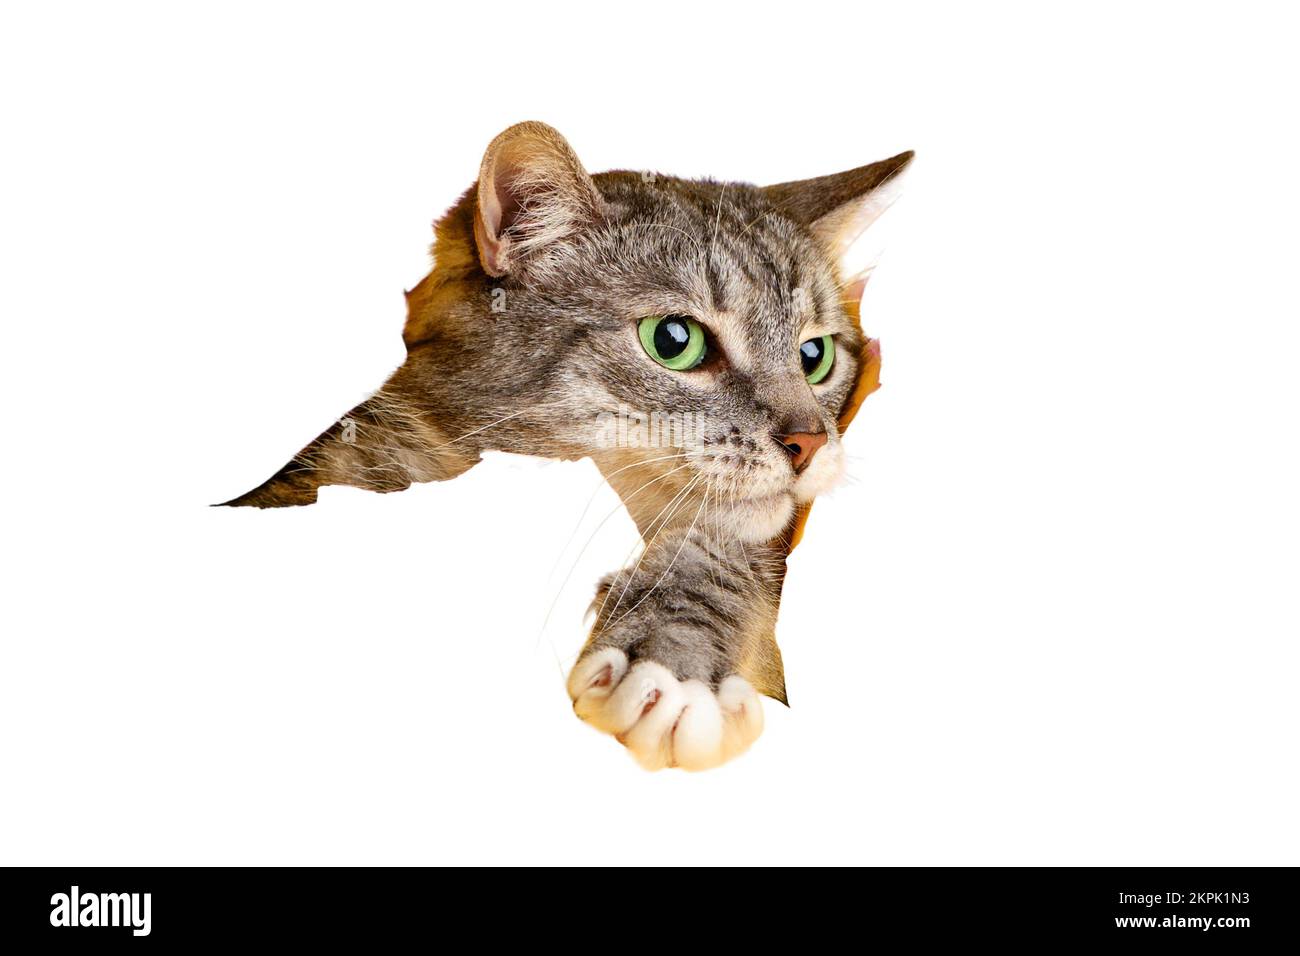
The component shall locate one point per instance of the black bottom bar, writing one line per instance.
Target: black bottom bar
(1225, 908)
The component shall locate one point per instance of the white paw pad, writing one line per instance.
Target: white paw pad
(663, 721)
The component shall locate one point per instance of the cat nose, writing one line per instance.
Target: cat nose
(801, 446)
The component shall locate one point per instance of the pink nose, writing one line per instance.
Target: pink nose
(801, 446)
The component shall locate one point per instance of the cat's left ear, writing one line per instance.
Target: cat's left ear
(838, 209)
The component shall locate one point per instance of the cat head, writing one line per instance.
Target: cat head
(697, 339)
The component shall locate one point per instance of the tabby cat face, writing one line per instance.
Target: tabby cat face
(720, 305)
(563, 307)
(749, 289)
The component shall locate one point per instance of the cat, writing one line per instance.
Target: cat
(560, 302)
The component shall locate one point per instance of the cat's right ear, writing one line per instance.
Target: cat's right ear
(532, 195)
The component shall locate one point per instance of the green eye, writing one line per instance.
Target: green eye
(674, 341)
(817, 355)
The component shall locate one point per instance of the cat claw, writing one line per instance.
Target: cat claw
(663, 721)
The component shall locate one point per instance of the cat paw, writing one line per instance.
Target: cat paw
(663, 721)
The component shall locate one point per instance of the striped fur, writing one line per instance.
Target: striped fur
(523, 339)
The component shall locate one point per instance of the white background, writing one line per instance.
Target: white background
(1051, 619)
